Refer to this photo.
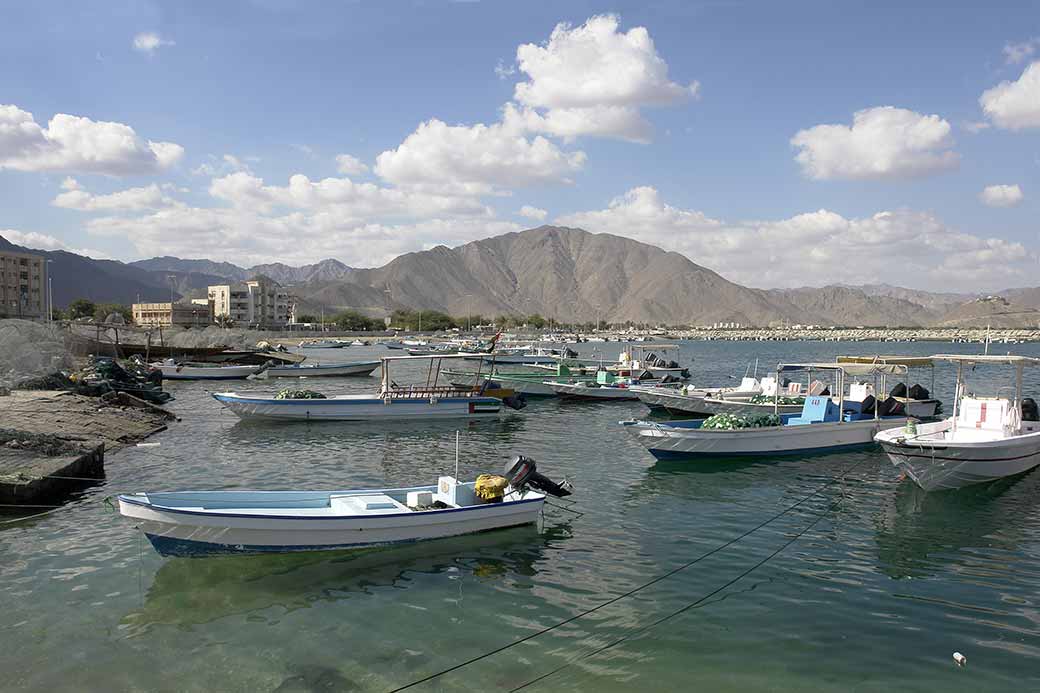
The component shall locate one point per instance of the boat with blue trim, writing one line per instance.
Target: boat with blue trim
(198, 523)
(425, 401)
(826, 422)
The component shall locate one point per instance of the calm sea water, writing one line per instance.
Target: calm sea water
(876, 596)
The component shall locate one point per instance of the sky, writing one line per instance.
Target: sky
(779, 144)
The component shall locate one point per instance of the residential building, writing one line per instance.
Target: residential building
(166, 314)
(259, 302)
(23, 285)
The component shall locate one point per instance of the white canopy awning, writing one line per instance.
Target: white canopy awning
(855, 369)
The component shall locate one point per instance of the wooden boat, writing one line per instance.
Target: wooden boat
(986, 438)
(204, 371)
(427, 401)
(196, 523)
(825, 423)
(314, 370)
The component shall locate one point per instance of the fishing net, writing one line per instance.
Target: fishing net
(727, 422)
(299, 394)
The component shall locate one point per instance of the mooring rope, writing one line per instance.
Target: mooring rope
(636, 589)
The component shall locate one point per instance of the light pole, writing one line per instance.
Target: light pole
(469, 309)
(50, 294)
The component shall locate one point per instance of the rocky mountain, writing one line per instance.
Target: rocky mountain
(571, 274)
(567, 274)
(283, 274)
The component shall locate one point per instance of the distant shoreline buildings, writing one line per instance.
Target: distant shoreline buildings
(23, 285)
(259, 303)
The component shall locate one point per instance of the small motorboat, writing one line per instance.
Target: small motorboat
(605, 386)
(986, 438)
(392, 401)
(198, 523)
(689, 399)
(314, 370)
(171, 370)
(825, 423)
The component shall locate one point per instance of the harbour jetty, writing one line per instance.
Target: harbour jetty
(52, 442)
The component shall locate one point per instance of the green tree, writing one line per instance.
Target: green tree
(103, 310)
(353, 321)
(81, 308)
(306, 318)
(536, 321)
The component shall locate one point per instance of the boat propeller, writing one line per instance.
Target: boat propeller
(522, 472)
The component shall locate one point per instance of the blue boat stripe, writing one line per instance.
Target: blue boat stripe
(373, 516)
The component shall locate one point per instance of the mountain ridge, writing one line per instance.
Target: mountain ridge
(565, 273)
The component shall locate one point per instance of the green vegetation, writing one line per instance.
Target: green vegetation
(84, 308)
(353, 321)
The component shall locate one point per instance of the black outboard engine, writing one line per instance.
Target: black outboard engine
(918, 392)
(522, 472)
(898, 391)
(1029, 409)
(517, 401)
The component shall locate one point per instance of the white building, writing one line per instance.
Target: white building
(23, 285)
(259, 302)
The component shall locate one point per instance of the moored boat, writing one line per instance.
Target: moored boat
(315, 370)
(172, 370)
(986, 438)
(825, 423)
(194, 523)
(392, 401)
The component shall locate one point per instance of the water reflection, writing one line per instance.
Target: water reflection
(193, 591)
(916, 531)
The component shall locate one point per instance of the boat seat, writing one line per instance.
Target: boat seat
(794, 389)
(768, 384)
(816, 388)
(361, 504)
(983, 414)
(748, 384)
(859, 392)
(816, 410)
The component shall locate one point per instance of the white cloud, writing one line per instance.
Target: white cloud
(503, 71)
(475, 160)
(246, 237)
(42, 241)
(1001, 195)
(130, 200)
(149, 41)
(73, 143)
(594, 79)
(350, 165)
(882, 143)
(1015, 53)
(214, 166)
(533, 213)
(1015, 105)
(899, 247)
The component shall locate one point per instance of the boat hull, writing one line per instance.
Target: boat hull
(203, 373)
(359, 408)
(945, 466)
(332, 370)
(578, 391)
(175, 532)
(671, 440)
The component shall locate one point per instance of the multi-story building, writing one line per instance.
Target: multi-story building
(259, 302)
(165, 314)
(23, 285)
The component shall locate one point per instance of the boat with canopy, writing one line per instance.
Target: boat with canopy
(825, 422)
(987, 437)
(429, 400)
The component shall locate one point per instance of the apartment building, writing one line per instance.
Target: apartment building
(192, 314)
(23, 285)
(259, 302)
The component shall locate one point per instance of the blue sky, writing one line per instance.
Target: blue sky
(250, 94)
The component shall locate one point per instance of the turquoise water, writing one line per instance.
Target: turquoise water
(877, 595)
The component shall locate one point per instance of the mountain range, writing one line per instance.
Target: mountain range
(568, 274)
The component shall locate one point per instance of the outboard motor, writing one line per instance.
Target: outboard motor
(522, 472)
(898, 391)
(1029, 409)
(515, 401)
(918, 392)
(867, 405)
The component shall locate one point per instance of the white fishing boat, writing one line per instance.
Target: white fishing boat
(171, 370)
(689, 399)
(636, 359)
(825, 423)
(392, 401)
(196, 523)
(986, 438)
(315, 370)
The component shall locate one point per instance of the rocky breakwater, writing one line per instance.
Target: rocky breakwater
(865, 334)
